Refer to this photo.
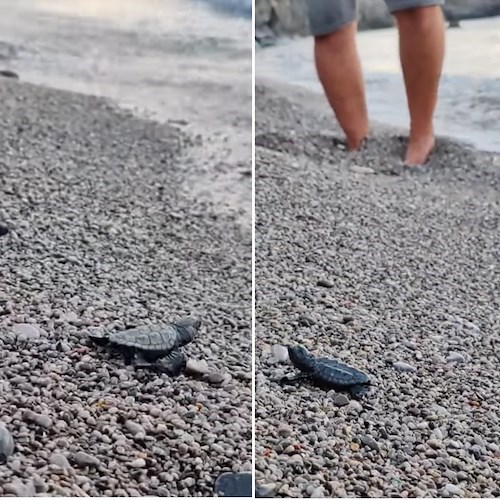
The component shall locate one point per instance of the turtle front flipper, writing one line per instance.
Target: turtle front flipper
(301, 377)
(172, 364)
(359, 391)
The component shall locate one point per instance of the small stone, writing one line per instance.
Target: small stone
(325, 283)
(216, 378)
(85, 460)
(306, 321)
(354, 446)
(370, 442)
(217, 448)
(340, 400)
(451, 490)
(434, 443)
(318, 492)
(267, 490)
(6, 444)
(134, 428)
(195, 367)
(38, 418)
(26, 332)
(404, 367)
(355, 405)
(280, 353)
(295, 460)
(455, 357)
(359, 169)
(138, 463)
(285, 430)
(60, 461)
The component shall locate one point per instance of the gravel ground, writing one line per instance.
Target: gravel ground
(105, 234)
(397, 274)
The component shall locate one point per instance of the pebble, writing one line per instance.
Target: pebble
(280, 353)
(370, 442)
(325, 283)
(340, 400)
(134, 428)
(42, 420)
(196, 367)
(455, 357)
(359, 169)
(216, 378)
(318, 492)
(60, 461)
(266, 490)
(138, 463)
(451, 490)
(6, 443)
(26, 332)
(404, 367)
(285, 430)
(83, 459)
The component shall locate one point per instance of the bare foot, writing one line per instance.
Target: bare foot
(419, 150)
(356, 141)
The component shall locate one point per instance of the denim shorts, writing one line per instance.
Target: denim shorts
(327, 16)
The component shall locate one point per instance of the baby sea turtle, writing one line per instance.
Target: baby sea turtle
(327, 373)
(153, 346)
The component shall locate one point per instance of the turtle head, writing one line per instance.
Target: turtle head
(300, 358)
(188, 329)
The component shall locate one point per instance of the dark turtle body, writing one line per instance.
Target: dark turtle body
(327, 373)
(146, 345)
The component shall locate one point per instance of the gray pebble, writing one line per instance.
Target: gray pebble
(134, 428)
(340, 400)
(451, 490)
(370, 442)
(196, 367)
(60, 461)
(6, 443)
(26, 332)
(404, 367)
(138, 463)
(280, 353)
(38, 418)
(83, 459)
(455, 357)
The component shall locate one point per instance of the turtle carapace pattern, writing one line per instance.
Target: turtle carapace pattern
(327, 373)
(154, 346)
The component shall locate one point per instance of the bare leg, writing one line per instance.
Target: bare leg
(421, 44)
(339, 71)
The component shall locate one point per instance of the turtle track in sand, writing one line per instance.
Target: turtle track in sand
(103, 234)
(413, 261)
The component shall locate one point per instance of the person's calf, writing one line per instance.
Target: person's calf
(339, 71)
(421, 35)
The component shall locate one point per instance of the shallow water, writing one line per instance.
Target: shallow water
(184, 60)
(469, 106)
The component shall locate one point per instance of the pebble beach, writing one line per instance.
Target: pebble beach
(393, 272)
(105, 233)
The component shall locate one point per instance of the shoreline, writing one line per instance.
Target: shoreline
(105, 233)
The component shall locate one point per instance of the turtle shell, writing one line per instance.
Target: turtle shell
(154, 338)
(331, 372)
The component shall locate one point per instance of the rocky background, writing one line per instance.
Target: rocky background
(288, 17)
